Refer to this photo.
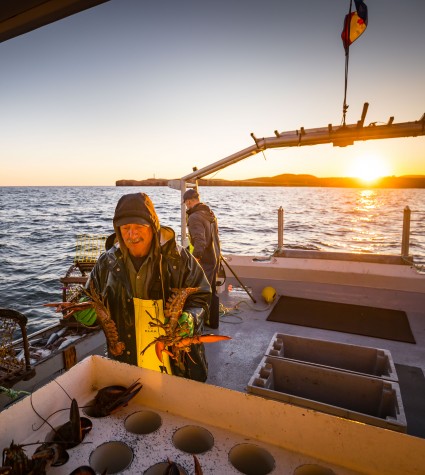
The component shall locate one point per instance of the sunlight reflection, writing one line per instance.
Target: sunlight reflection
(364, 234)
(367, 200)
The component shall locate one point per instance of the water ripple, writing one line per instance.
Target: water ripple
(39, 226)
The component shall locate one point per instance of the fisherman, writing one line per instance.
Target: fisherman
(203, 233)
(136, 277)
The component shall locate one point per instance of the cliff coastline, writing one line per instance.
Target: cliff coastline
(408, 181)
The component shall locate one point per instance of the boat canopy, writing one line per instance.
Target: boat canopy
(23, 16)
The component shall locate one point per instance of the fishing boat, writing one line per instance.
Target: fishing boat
(284, 396)
(327, 366)
(324, 373)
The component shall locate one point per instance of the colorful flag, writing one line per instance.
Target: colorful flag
(355, 24)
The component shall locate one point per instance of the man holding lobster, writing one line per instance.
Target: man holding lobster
(136, 279)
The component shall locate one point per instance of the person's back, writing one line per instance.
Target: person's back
(204, 237)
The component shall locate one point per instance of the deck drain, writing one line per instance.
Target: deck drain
(112, 456)
(161, 467)
(313, 469)
(251, 459)
(143, 422)
(193, 439)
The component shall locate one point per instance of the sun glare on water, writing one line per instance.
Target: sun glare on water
(369, 168)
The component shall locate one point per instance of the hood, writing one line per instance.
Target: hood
(135, 208)
(204, 210)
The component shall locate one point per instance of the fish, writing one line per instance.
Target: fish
(68, 341)
(54, 336)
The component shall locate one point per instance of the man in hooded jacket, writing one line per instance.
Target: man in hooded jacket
(144, 263)
(203, 233)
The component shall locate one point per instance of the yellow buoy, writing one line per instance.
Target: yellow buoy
(268, 294)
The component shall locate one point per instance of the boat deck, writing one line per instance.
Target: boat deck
(280, 437)
(232, 363)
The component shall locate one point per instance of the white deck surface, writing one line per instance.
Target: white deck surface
(274, 437)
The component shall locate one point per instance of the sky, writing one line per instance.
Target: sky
(137, 89)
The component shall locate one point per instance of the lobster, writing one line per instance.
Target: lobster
(115, 347)
(175, 341)
(16, 462)
(71, 433)
(111, 398)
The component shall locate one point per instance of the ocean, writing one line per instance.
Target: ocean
(39, 228)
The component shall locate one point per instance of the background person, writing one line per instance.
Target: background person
(138, 272)
(203, 233)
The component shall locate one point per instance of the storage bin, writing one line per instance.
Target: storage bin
(345, 394)
(360, 359)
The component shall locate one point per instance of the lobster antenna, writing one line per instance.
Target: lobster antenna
(45, 421)
(63, 389)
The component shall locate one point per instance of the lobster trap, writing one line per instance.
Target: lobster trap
(87, 250)
(13, 367)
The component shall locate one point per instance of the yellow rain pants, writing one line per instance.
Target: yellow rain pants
(146, 334)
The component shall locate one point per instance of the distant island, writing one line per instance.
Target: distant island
(287, 179)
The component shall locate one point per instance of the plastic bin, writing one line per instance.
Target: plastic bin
(353, 396)
(359, 359)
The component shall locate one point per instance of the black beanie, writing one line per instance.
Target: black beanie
(135, 208)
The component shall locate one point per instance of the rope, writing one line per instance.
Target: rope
(232, 312)
(345, 105)
(226, 313)
(418, 267)
(347, 55)
(12, 393)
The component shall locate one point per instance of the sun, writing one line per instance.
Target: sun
(369, 168)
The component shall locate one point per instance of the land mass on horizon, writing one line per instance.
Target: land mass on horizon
(289, 179)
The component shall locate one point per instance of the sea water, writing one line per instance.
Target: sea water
(39, 228)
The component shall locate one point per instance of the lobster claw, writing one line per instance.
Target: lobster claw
(211, 338)
(159, 349)
(198, 339)
(52, 452)
(72, 433)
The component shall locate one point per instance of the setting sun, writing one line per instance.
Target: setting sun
(369, 168)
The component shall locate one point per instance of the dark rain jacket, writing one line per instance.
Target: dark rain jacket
(203, 232)
(174, 267)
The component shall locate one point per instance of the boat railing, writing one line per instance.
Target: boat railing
(405, 258)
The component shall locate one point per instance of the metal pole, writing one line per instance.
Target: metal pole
(183, 218)
(280, 228)
(406, 233)
(237, 278)
(183, 230)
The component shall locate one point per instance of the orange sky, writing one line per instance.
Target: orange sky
(129, 90)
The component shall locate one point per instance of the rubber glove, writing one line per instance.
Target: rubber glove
(87, 317)
(187, 325)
